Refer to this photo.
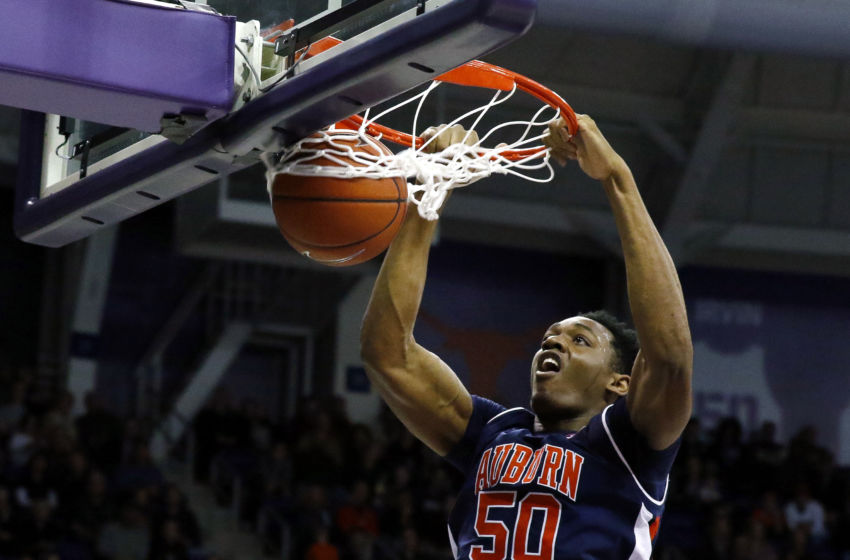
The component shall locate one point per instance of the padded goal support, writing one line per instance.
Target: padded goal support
(115, 62)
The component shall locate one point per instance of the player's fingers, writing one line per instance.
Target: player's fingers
(585, 123)
(432, 144)
(556, 124)
(456, 135)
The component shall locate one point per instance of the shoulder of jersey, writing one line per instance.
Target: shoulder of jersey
(511, 418)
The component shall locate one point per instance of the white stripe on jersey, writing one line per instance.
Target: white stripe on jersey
(623, 459)
(505, 412)
(452, 542)
(643, 540)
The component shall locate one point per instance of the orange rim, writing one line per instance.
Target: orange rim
(479, 74)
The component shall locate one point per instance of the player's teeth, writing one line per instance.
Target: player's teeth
(550, 362)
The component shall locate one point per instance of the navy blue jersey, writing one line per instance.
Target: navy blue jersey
(594, 494)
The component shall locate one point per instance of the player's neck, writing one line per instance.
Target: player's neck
(566, 424)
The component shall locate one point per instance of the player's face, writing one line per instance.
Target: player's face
(570, 372)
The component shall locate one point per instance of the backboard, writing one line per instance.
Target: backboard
(77, 176)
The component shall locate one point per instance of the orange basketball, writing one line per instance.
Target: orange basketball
(339, 222)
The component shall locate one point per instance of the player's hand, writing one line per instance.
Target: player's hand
(447, 136)
(588, 146)
(560, 143)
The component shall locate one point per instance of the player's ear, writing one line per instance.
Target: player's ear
(619, 384)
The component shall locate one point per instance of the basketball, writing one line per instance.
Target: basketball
(334, 221)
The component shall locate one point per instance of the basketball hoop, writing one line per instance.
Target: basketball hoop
(460, 164)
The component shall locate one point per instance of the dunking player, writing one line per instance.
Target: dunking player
(585, 474)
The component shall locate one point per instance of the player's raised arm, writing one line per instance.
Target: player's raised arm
(659, 397)
(418, 386)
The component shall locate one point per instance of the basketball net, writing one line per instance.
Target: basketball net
(430, 174)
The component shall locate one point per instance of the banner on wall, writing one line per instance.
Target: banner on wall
(771, 362)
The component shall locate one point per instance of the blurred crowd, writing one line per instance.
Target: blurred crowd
(339, 490)
(320, 487)
(83, 487)
(737, 496)
(345, 491)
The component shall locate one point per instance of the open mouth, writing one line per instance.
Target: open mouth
(549, 362)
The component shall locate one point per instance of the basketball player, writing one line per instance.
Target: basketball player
(584, 473)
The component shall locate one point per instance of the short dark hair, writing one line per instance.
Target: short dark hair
(625, 341)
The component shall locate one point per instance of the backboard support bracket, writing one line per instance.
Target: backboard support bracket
(307, 33)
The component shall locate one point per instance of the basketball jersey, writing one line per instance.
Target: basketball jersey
(594, 494)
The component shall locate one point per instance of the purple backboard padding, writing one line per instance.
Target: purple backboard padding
(370, 72)
(115, 62)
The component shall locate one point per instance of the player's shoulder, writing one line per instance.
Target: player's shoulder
(507, 418)
(494, 418)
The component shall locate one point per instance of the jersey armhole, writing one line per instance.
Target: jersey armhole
(628, 466)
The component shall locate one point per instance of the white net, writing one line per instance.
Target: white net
(430, 174)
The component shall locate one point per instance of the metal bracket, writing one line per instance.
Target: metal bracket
(179, 128)
(83, 148)
(300, 36)
(196, 7)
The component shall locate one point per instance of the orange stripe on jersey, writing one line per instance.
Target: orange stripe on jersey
(654, 525)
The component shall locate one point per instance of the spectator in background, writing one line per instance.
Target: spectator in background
(277, 470)
(753, 543)
(72, 478)
(693, 444)
(358, 514)
(769, 514)
(12, 412)
(799, 546)
(336, 407)
(38, 532)
(311, 514)
(719, 535)
(362, 453)
(126, 538)
(273, 488)
(60, 417)
(23, 443)
(321, 548)
(7, 524)
(432, 504)
(100, 434)
(139, 471)
(318, 452)
(206, 428)
(260, 427)
(90, 512)
(710, 489)
(807, 460)
(411, 548)
(399, 512)
(169, 542)
(765, 450)
(175, 510)
(727, 451)
(842, 520)
(805, 512)
(690, 481)
(35, 484)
